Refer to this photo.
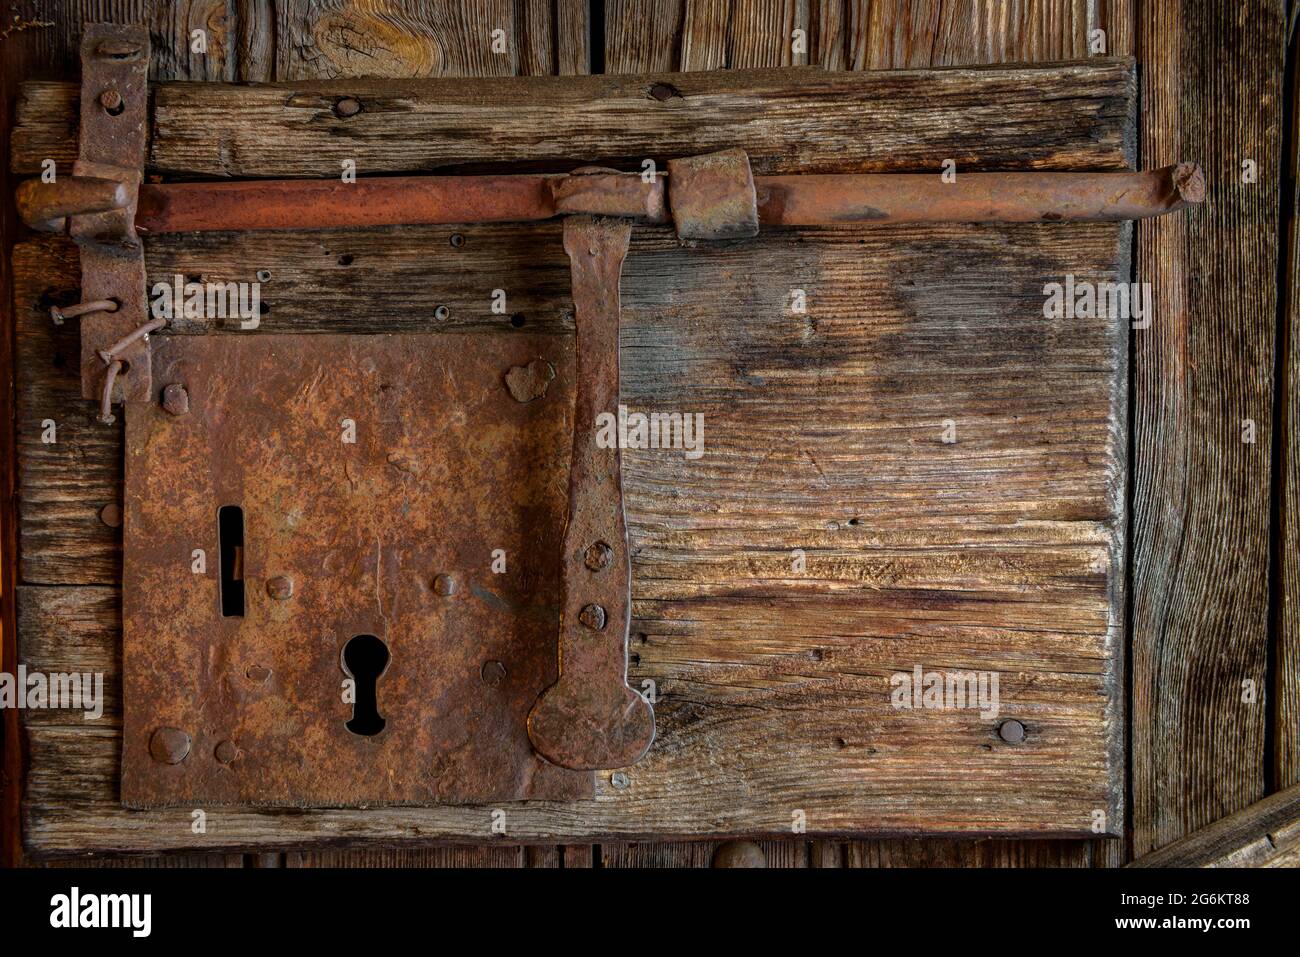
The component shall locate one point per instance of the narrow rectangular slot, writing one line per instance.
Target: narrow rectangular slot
(230, 531)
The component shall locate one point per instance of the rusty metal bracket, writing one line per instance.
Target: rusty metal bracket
(712, 196)
(590, 718)
(99, 204)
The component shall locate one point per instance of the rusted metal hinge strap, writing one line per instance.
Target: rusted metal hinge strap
(590, 718)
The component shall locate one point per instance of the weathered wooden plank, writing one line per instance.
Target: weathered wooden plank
(255, 50)
(1014, 571)
(77, 631)
(1203, 380)
(740, 34)
(202, 39)
(45, 41)
(1265, 834)
(69, 465)
(148, 861)
(1286, 468)
(973, 31)
(453, 855)
(347, 38)
(573, 37)
(982, 854)
(1070, 117)
(788, 853)
(642, 36)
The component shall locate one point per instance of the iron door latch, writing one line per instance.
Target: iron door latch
(588, 717)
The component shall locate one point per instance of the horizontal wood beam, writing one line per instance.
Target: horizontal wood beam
(1068, 116)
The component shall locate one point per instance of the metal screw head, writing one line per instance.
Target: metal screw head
(739, 854)
(1012, 732)
(598, 556)
(493, 673)
(347, 106)
(280, 587)
(593, 616)
(441, 313)
(169, 745)
(111, 515)
(457, 240)
(445, 585)
(111, 100)
(620, 780)
(175, 399)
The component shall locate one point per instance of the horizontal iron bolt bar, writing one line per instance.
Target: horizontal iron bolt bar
(796, 200)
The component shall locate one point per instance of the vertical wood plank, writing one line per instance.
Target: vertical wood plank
(204, 37)
(451, 855)
(1203, 371)
(787, 853)
(352, 38)
(1286, 683)
(705, 34)
(642, 36)
(573, 37)
(255, 50)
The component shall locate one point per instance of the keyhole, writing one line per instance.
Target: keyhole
(364, 658)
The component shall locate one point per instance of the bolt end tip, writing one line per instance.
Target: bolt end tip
(1189, 182)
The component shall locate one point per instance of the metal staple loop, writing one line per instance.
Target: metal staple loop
(106, 401)
(110, 357)
(80, 309)
(138, 335)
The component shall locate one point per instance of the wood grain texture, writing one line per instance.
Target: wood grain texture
(153, 861)
(891, 579)
(727, 570)
(976, 117)
(880, 35)
(572, 38)
(783, 854)
(971, 51)
(642, 36)
(1265, 834)
(383, 38)
(475, 856)
(1201, 495)
(1286, 614)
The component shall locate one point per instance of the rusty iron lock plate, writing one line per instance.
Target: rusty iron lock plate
(374, 476)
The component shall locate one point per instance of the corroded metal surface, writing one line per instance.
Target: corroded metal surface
(709, 200)
(391, 535)
(114, 129)
(816, 200)
(590, 718)
(712, 196)
(47, 206)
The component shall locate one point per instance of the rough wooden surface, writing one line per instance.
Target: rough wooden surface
(1202, 371)
(859, 35)
(912, 35)
(1265, 834)
(1286, 551)
(976, 117)
(1016, 572)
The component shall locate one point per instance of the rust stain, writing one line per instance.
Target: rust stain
(362, 558)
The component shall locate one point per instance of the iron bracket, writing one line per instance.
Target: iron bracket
(97, 206)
